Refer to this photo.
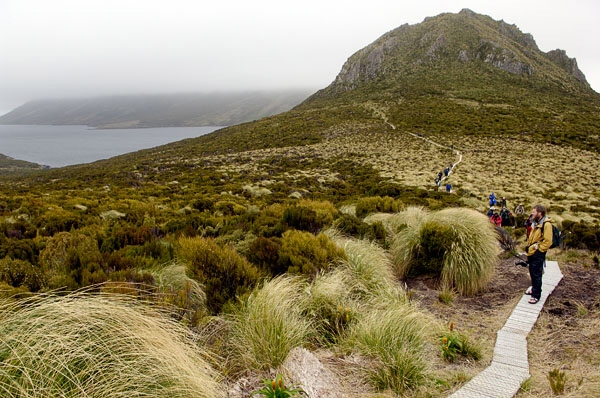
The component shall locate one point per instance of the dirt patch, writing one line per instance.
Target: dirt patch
(565, 337)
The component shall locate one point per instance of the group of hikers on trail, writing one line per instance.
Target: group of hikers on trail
(504, 217)
(444, 175)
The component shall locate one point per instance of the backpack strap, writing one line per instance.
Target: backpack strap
(542, 236)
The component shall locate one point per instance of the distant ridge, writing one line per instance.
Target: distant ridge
(135, 111)
(8, 165)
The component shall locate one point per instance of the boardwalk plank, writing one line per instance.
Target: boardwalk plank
(510, 365)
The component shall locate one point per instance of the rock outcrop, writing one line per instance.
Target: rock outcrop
(560, 58)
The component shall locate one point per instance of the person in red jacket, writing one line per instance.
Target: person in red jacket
(496, 219)
(527, 224)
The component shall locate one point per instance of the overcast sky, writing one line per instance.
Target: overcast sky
(75, 48)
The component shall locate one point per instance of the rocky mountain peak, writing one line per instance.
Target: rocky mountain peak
(454, 42)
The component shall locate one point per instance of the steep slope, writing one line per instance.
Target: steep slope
(443, 51)
(216, 109)
(466, 73)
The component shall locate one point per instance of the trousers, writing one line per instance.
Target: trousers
(536, 270)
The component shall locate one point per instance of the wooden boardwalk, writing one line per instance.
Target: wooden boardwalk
(510, 367)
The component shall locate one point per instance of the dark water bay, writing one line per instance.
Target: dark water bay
(58, 146)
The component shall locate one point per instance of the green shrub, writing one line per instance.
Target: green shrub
(377, 204)
(581, 235)
(121, 236)
(229, 208)
(57, 220)
(203, 204)
(455, 344)
(19, 273)
(72, 260)
(264, 253)
(98, 345)
(21, 249)
(221, 270)
(302, 252)
(301, 218)
(133, 277)
(269, 324)
(435, 241)
(353, 226)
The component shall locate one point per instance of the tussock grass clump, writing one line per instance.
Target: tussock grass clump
(460, 245)
(392, 339)
(98, 345)
(369, 265)
(332, 304)
(185, 293)
(269, 324)
(411, 217)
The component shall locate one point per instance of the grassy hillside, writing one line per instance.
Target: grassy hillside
(305, 228)
(9, 165)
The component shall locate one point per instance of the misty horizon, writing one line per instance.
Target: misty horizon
(65, 49)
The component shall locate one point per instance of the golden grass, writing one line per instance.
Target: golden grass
(98, 345)
(269, 324)
(393, 339)
(504, 165)
(470, 257)
(369, 265)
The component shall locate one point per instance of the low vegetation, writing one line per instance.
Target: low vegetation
(302, 229)
(98, 345)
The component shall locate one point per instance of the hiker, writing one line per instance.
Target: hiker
(446, 171)
(505, 215)
(538, 243)
(520, 209)
(440, 176)
(503, 202)
(490, 212)
(448, 187)
(496, 219)
(492, 199)
(527, 224)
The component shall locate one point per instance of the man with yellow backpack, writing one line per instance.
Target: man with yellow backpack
(538, 243)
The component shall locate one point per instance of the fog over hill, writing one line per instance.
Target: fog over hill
(161, 110)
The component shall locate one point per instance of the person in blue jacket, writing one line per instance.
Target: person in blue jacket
(492, 198)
